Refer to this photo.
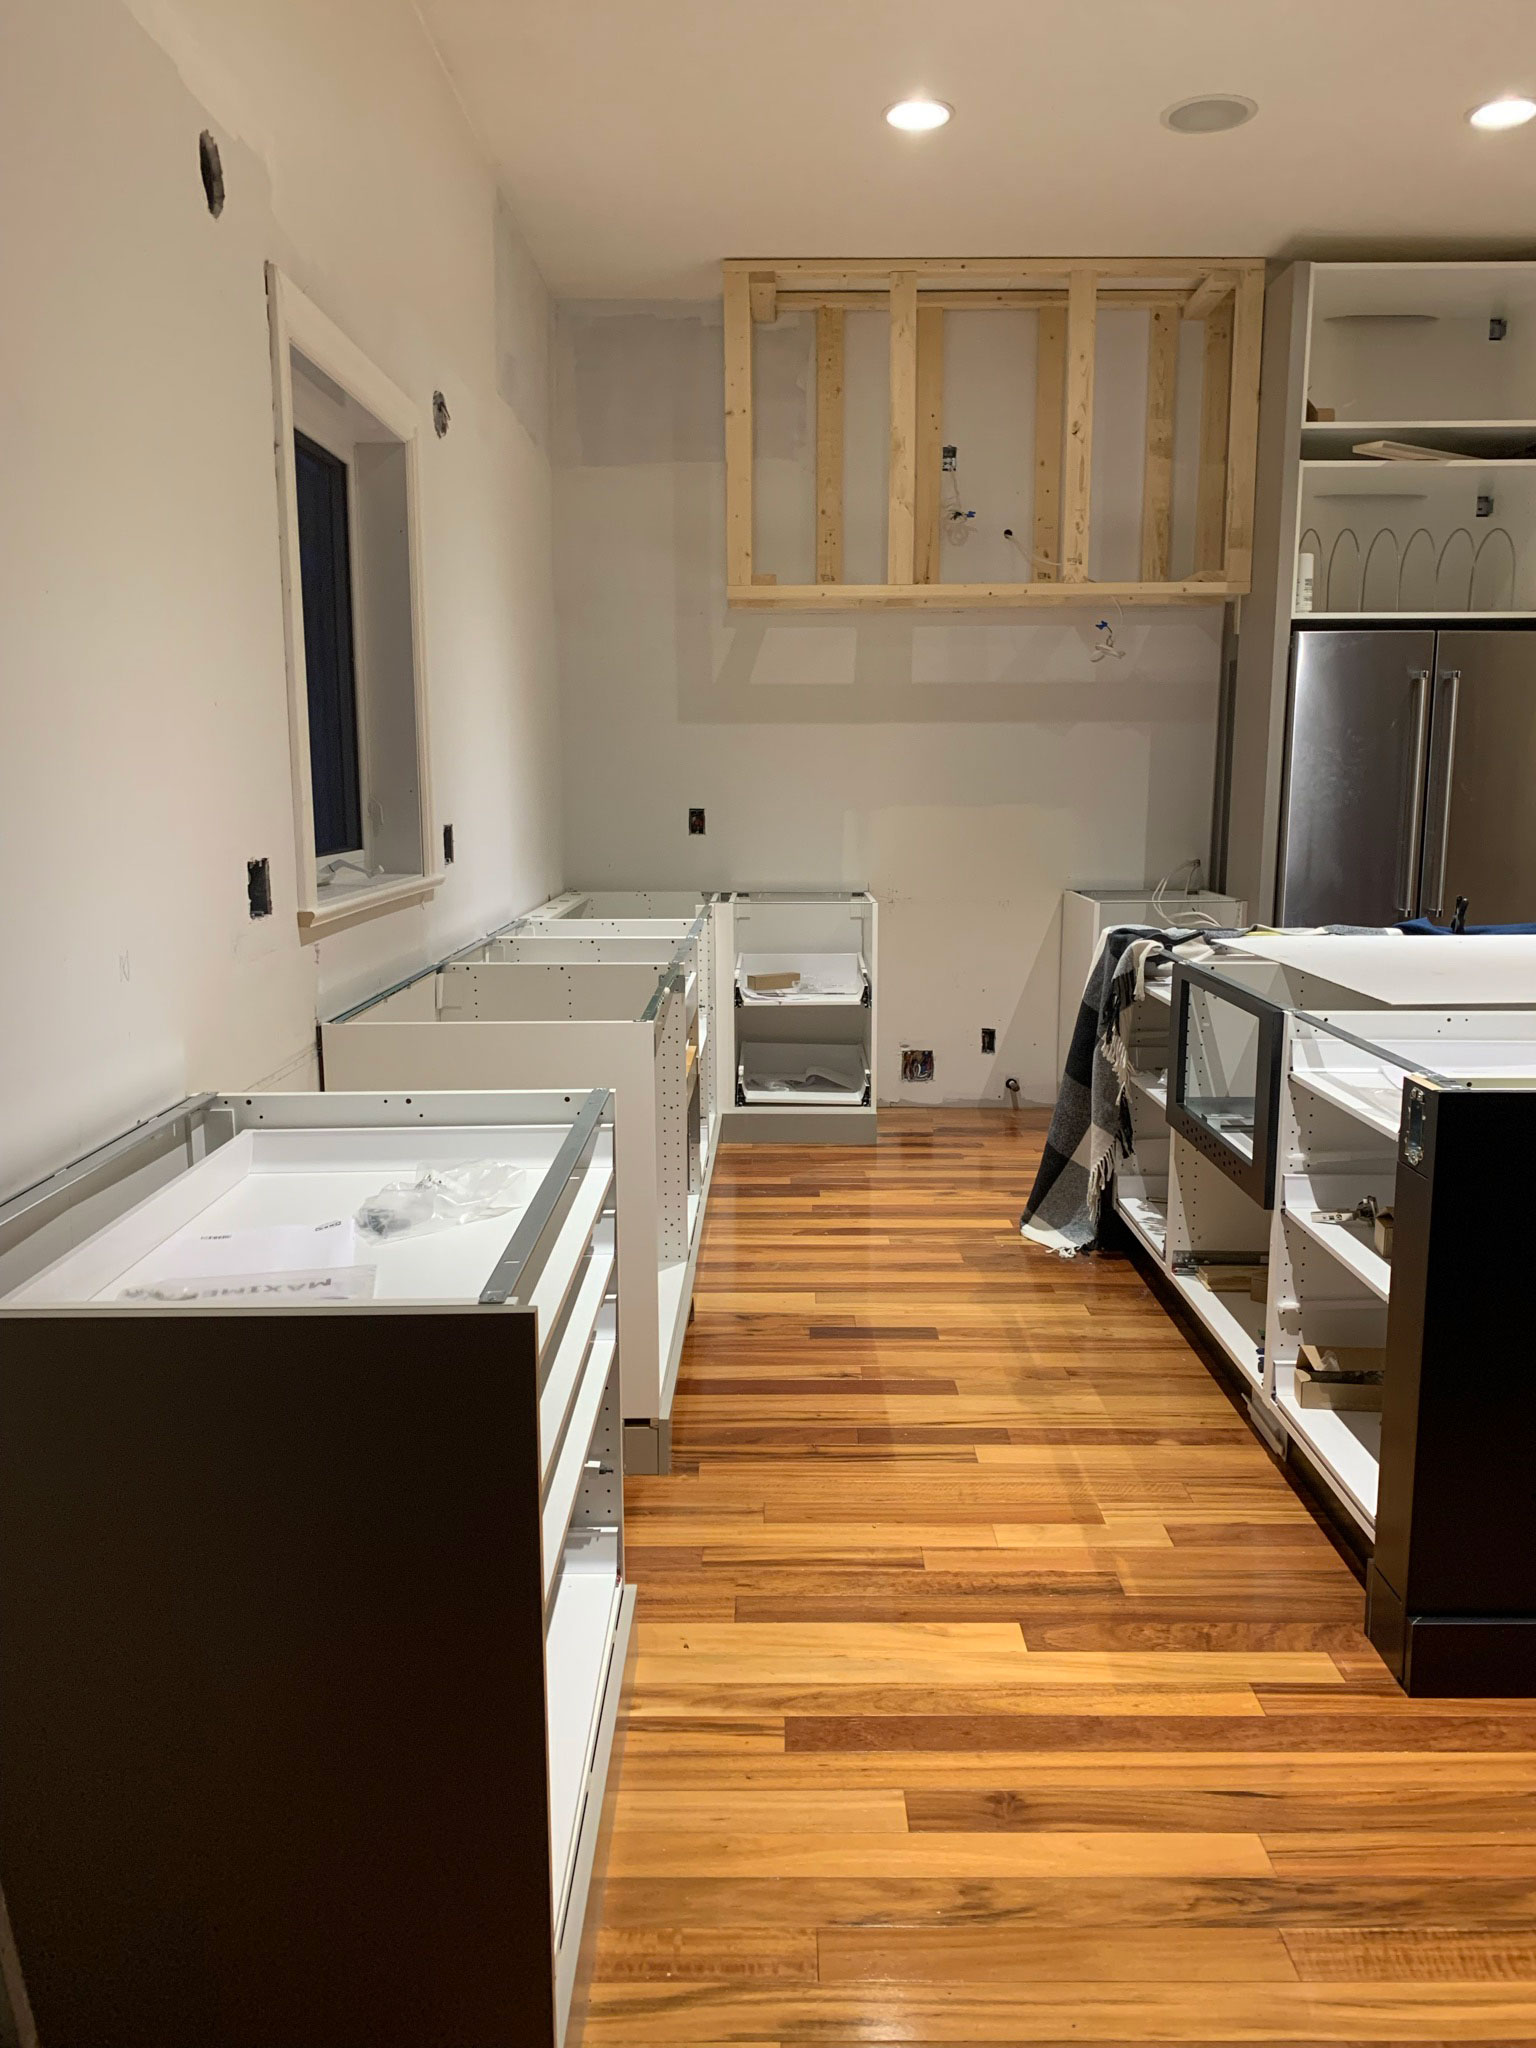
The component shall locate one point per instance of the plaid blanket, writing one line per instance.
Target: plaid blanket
(1091, 1127)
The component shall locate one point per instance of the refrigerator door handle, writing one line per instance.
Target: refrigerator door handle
(1413, 810)
(1445, 767)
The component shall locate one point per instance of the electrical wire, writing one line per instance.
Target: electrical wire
(1201, 920)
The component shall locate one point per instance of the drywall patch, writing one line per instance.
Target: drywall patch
(524, 323)
(640, 384)
(783, 370)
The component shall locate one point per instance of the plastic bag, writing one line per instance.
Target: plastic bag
(442, 1196)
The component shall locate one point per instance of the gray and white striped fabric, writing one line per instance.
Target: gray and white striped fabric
(1091, 1127)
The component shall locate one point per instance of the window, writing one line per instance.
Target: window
(325, 560)
(347, 449)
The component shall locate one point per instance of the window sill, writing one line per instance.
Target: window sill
(340, 905)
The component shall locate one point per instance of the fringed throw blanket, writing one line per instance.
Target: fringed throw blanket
(1091, 1127)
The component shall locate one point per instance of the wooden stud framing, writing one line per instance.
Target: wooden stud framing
(1050, 398)
(1227, 294)
(901, 508)
(829, 445)
(738, 430)
(1157, 474)
(1208, 295)
(1077, 466)
(1243, 427)
(930, 440)
(1211, 495)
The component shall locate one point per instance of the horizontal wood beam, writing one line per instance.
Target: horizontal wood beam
(832, 271)
(977, 301)
(816, 597)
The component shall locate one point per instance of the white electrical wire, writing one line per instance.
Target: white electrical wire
(1199, 919)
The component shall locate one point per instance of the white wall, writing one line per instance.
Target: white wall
(145, 747)
(967, 770)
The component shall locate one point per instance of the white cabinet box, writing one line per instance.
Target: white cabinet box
(311, 1573)
(559, 1005)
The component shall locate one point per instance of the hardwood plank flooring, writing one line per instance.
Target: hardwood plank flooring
(994, 1686)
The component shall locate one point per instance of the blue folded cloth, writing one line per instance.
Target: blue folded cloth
(1417, 925)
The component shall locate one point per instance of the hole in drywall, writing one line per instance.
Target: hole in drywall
(441, 418)
(212, 165)
(447, 846)
(696, 821)
(258, 887)
(988, 1038)
(916, 1065)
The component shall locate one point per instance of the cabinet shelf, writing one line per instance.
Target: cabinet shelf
(1305, 1199)
(1345, 1444)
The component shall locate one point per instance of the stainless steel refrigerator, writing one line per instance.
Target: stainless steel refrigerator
(1410, 776)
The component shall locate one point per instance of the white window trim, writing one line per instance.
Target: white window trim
(296, 322)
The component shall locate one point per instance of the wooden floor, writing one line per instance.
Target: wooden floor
(994, 1686)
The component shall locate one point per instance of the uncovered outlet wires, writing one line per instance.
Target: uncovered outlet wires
(1191, 871)
(1104, 647)
(955, 517)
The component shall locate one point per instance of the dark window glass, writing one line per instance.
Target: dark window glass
(325, 563)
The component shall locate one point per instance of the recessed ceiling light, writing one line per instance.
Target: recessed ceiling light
(1209, 113)
(1512, 112)
(918, 116)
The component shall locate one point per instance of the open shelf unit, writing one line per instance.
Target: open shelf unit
(801, 1006)
(302, 1490)
(1429, 356)
(626, 1003)
(1350, 1038)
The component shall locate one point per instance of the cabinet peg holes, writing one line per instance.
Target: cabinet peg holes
(212, 166)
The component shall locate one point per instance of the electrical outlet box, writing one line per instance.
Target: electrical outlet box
(696, 821)
(258, 887)
(988, 1038)
(447, 846)
(916, 1063)
(950, 458)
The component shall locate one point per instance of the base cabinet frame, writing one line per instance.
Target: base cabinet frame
(293, 1750)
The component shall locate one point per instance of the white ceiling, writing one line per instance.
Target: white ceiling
(642, 140)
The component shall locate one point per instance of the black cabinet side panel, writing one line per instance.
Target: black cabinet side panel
(272, 1755)
(1459, 1409)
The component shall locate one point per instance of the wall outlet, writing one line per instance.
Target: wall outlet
(696, 821)
(916, 1064)
(258, 887)
(988, 1038)
(447, 846)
